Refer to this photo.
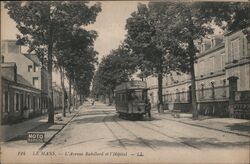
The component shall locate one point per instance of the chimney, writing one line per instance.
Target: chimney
(203, 47)
(213, 42)
(15, 73)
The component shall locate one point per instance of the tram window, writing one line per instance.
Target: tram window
(123, 97)
(139, 95)
(118, 97)
(136, 95)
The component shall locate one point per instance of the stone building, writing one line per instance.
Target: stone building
(222, 74)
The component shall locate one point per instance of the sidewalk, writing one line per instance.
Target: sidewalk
(228, 125)
(39, 124)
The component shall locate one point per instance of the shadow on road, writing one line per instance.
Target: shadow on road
(100, 117)
(212, 142)
(199, 143)
(243, 127)
(41, 128)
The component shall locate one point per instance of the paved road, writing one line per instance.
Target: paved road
(98, 134)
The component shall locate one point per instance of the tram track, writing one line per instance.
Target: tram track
(151, 129)
(165, 135)
(138, 138)
(141, 140)
(112, 132)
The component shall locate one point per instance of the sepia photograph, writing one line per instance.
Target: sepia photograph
(125, 81)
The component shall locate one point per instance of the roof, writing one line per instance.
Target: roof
(33, 58)
(20, 78)
(132, 85)
(8, 64)
(23, 81)
(218, 46)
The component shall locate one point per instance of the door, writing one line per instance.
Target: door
(232, 86)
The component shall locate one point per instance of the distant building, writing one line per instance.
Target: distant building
(222, 72)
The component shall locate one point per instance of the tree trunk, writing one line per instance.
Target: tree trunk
(160, 102)
(50, 89)
(81, 99)
(193, 84)
(1, 92)
(75, 99)
(109, 97)
(69, 105)
(64, 91)
(193, 93)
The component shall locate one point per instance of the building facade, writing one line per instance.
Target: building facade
(18, 95)
(222, 79)
(24, 83)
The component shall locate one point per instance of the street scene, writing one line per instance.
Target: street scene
(96, 130)
(125, 82)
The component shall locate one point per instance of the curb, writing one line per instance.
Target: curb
(53, 136)
(225, 131)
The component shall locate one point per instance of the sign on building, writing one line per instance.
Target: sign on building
(35, 137)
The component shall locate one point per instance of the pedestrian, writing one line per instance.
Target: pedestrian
(93, 102)
(148, 108)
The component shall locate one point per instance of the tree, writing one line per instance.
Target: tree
(233, 16)
(193, 23)
(152, 50)
(114, 69)
(43, 24)
(77, 57)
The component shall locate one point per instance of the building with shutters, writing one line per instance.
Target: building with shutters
(24, 83)
(222, 79)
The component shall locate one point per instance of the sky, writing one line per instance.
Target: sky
(110, 26)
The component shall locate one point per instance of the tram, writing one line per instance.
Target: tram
(131, 99)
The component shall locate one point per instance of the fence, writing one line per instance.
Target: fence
(220, 93)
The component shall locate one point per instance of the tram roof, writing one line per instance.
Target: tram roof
(131, 85)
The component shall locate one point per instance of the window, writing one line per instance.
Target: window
(21, 101)
(177, 95)
(2, 59)
(202, 68)
(28, 97)
(2, 47)
(17, 102)
(224, 94)
(137, 95)
(222, 60)
(29, 68)
(213, 93)
(235, 50)
(34, 103)
(35, 67)
(7, 109)
(35, 81)
(211, 64)
(202, 90)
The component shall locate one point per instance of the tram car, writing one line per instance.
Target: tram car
(131, 99)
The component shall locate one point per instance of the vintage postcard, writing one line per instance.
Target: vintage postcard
(125, 82)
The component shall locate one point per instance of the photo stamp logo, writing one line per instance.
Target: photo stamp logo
(35, 137)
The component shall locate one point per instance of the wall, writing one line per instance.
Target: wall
(238, 61)
(213, 68)
(12, 53)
